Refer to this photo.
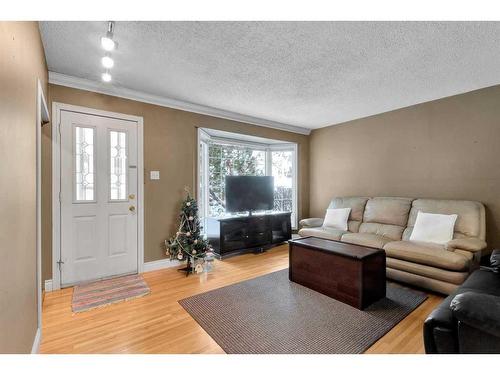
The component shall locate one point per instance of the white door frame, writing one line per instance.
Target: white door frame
(57, 108)
(42, 117)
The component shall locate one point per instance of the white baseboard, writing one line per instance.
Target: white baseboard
(48, 286)
(160, 264)
(35, 349)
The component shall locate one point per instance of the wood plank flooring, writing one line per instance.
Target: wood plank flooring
(158, 324)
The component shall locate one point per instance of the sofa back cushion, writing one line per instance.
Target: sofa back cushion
(357, 206)
(386, 216)
(470, 221)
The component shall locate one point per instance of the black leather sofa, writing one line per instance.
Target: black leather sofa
(468, 321)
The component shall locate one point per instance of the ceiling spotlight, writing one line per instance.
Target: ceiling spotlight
(106, 77)
(107, 41)
(107, 62)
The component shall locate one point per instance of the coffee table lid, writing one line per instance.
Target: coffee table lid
(337, 247)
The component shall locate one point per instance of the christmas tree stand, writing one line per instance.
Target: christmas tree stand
(189, 267)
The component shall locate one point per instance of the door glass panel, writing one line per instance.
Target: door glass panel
(84, 164)
(118, 165)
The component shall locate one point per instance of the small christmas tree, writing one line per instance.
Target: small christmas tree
(188, 242)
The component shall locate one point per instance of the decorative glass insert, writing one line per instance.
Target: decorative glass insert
(118, 165)
(84, 164)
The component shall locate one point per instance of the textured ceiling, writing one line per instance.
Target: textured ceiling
(307, 74)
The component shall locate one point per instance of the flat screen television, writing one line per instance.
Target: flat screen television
(249, 193)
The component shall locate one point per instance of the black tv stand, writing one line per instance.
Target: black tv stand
(255, 232)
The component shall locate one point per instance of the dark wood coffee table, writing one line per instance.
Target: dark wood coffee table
(352, 274)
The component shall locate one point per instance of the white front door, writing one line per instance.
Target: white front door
(98, 197)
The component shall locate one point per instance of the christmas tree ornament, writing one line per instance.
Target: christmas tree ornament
(198, 268)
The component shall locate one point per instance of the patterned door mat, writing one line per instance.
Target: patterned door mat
(105, 292)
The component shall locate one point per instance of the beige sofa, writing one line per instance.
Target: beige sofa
(387, 223)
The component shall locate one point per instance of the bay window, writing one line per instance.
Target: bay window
(222, 154)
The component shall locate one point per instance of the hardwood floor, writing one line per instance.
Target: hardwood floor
(158, 324)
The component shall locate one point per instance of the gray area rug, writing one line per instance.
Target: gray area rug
(270, 315)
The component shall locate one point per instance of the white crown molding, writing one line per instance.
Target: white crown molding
(122, 92)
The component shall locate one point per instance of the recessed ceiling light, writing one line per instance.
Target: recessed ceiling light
(107, 62)
(106, 77)
(107, 43)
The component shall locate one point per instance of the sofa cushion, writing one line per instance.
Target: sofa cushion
(385, 217)
(322, 232)
(426, 253)
(394, 232)
(357, 206)
(366, 239)
(387, 210)
(453, 277)
(470, 221)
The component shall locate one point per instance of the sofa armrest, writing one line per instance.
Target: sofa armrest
(311, 222)
(478, 310)
(469, 244)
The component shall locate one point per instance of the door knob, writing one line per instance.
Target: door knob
(131, 196)
(131, 208)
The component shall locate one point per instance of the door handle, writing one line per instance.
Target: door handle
(131, 208)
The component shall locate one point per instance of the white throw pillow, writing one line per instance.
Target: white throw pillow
(434, 228)
(337, 218)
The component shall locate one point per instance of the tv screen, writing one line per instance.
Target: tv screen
(249, 193)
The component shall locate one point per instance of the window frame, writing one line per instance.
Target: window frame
(294, 148)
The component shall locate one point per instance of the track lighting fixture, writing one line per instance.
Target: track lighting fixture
(107, 41)
(108, 44)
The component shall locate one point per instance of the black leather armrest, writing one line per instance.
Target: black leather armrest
(481, 311)
(439, 330)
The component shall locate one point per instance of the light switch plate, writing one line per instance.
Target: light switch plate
(154, 175)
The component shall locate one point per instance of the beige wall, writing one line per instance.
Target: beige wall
(170, 147)
(447, 148)
(22, 61)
